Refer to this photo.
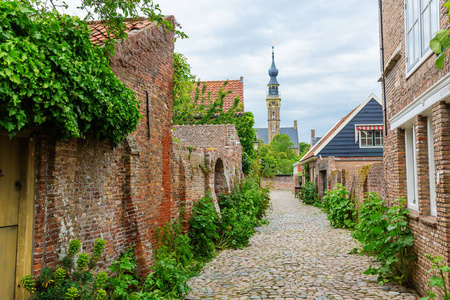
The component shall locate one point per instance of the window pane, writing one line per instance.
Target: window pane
(409, 12)
(410, 50)
(378, 138)
(434, 16)
(426, 29)
(416, 42)
(416, 12)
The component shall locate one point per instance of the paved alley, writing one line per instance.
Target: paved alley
(297, 256)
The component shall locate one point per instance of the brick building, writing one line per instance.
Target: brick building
(417, 141)
(54, 191)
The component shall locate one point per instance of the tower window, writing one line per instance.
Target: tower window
(273, 116)
(273, 130)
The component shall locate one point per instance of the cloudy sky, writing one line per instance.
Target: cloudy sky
(327, 53)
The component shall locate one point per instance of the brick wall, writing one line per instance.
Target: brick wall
(431, 233)
(88, 189)
(207, 158)
(279, 182)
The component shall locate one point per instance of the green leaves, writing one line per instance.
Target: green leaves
(340, 207)
(384, 234)
(441, 42)
(53, 77)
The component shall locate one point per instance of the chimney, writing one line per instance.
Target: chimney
(313, 135)
(241, 79)
(295, 124)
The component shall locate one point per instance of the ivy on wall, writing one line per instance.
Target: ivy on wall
(53, 77)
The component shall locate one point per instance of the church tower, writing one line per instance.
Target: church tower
(273, 101)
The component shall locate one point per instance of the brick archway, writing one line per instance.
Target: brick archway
(220, 180)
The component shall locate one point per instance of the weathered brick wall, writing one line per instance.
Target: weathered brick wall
(431, 233)
(88, 189)
(280, 183)
(208, 158)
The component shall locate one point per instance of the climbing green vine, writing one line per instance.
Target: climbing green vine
(52, 76)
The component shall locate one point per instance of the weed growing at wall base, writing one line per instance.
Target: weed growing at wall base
(384, 234)
(340, 207)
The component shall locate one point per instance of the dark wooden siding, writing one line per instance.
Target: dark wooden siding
(343, 144)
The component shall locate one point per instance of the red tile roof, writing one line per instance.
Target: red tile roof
(235, 86)
(324, 138)
(98, 29)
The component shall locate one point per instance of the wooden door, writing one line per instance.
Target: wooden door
(10, 186)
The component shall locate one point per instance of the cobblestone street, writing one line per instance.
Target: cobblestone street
(297, 256)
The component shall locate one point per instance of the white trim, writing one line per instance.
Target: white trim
(418, 63)
(411, 169)
(431, 167)
(440, 91)
(357, 110)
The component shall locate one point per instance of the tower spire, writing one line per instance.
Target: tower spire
(273, 73)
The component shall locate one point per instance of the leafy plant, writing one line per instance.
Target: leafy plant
(340, 208)
(384, 234)
(310, 194)
(204, 228)
(52, 76)
(441, 42)
(439, 281)
(242, 211)
(73, 280)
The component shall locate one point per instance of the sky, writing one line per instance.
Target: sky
(327, 53)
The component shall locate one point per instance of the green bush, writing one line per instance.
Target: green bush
(340, 208)
(384, 234)
(310, 194)
(204, 228)
(242, 211)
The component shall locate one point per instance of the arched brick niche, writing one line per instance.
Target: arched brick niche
(220, 181)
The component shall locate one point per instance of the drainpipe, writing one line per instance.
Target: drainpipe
(382, 67)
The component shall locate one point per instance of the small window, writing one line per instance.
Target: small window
(273, 130)
(371, 138)
(273, 116)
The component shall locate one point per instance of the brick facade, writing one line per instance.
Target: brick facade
(89, 189)
(411, 100)
(208, 158)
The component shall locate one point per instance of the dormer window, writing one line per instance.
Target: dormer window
(369, 135)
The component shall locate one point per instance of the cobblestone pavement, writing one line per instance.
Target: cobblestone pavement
(297, 256)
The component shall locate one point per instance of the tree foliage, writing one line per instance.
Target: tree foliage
(278, 157)
(52, 76)
(303, 148)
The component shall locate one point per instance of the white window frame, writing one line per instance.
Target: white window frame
(424, 54)
(411, 168)
(373, 136)
(431, 167)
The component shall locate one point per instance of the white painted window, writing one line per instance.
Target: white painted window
(411, 169)
(370, 138)
(431, 167)
(422, 21)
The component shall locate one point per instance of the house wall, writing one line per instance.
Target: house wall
(344, 145)
(431, 233)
